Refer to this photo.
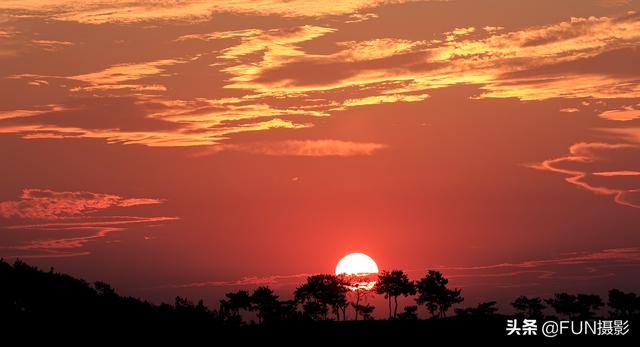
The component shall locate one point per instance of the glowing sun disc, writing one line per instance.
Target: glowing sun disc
(356, 264)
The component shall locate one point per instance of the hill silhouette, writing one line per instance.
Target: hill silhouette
(57, 305)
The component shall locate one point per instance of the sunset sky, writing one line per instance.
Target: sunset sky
(198, 147)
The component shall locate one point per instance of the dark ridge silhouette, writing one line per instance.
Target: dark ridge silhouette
(483, 309)
(59, 306)
(409, 313)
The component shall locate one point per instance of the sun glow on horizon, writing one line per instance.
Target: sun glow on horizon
(358, 268)
(356, 264)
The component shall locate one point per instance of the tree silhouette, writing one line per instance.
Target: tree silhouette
(187, 312)
(326, 291)
(392, 284)
(366, 311)
(563, 304)
(529, 307)
(314, 310)
(434, 294)
(339, 305)
(359, 288)
(623, 305)
(581, 306)
(104, 289)
(236, 301)
(265, 303)
(587, 305)
(287, 310)
(29, 295)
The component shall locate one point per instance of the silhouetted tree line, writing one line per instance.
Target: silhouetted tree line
(29, 293)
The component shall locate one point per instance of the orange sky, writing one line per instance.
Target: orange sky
(201, 146)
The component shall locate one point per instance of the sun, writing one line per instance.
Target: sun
(359, 270)
(358, 264)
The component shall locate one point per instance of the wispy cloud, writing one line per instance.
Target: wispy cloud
(557, 60)
(32, 112)
(52, 45)
(118, 76)
(276, 43)
(381, 99)
(110, 11)
(582, 265)
(306, 148)
(551, 272)
(66, 221)
(274, 79)
(247, 281)
(126, 72)
(50, 205)
(601, 168)
(626, 113)
(361, 17)
(193, 126)
(56, 244)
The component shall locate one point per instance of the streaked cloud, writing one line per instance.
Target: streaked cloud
(617, 173)
(601, 168)
(63, 222)
(125, 72)
(110, 11)
(458, 32)
(195, 122)
(118, 76)
(561, 270)
(492, 28)
(16, 42)
(557, 60)
(572, 266)
(181, 138)
(5, 34)
(47, 204)
(52, 45)
(162, 122)
(356, 51)
(274, 43)
(33, 112)
(380, 99)
(306, 148)
(247, 281)
(626, 113)
(630, 134)
(271, 77)
(361, 17)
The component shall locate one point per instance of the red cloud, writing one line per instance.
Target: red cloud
(602, 168)
(50, 205)
(69, 220)
(306, 148)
